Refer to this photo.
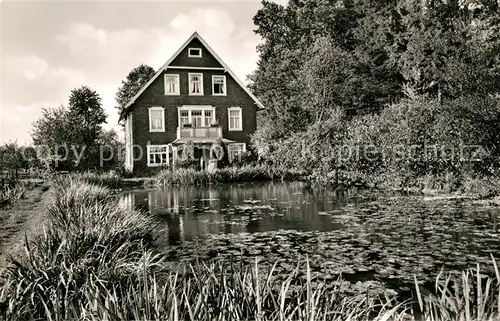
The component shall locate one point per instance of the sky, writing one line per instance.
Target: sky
(50, 48)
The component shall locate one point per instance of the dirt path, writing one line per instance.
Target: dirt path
(23, 218)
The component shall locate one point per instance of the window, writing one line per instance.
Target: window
(195, 84)
(234, 151)
(194, 52)
(156, 119)
(171, 84)
(235, 118)
(219, 85)
(183, 117)
(198, 116)
(157, 155)
(208, 117)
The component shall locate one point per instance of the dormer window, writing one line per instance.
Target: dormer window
(194, 52)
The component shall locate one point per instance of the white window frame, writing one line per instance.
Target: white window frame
(190, 108)
(177, 87)
(201, 83)
(158, 164)
(162, 119)
(194, 56)
(244, 149)
(224, 87)
(240, 127)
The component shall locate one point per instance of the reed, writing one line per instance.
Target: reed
(223, 175)
(11, 193)
(109, 179)
(88, 237)
(470, 295)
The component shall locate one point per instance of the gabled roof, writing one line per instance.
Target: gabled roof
(165, 67)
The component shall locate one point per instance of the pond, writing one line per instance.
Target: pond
(365, 235)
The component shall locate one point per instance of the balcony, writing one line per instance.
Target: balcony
(199, 132)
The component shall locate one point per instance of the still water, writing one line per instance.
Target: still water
(359, 231)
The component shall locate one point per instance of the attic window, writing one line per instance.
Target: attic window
(194, 52)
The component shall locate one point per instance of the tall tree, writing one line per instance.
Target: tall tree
(135, 80)
(69, 137)
(85, 109)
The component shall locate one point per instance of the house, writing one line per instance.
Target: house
(194, 97)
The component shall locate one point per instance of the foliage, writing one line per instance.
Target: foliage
(248, 158)
(86, 113)
(404, 75)
(112, 150)
(188, 163)
(217, 151)
(135, 80)
(73, 138)
(413, 138)
(14, 157)
(187, 151)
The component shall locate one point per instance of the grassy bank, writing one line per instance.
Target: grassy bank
(223, 175)
(95, 260)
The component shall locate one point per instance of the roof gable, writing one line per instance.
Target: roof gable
(195, 39)
(206, 59)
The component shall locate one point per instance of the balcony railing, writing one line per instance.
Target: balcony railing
(199, 132)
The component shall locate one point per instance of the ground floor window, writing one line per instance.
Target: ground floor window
(235, 151)
(157, 155)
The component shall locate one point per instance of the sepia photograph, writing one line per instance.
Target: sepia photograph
(261, 160)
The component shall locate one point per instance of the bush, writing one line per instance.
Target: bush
(188, 164)
(248, 158)
(407, 141)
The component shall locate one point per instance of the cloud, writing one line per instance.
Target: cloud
(113, 51)
(16, 119)
(29, 78)
(34, 68)
(210, 20)
(30, 67)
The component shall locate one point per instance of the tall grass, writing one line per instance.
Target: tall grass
(223, 175)
(467, 296)
(11, 193)
(109, 179)
(219, 291)
(87, 238)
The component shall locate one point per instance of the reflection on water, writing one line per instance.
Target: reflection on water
(387, 236)
(190, 212)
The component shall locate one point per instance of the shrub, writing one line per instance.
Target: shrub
(188, 164)
(248, 158)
